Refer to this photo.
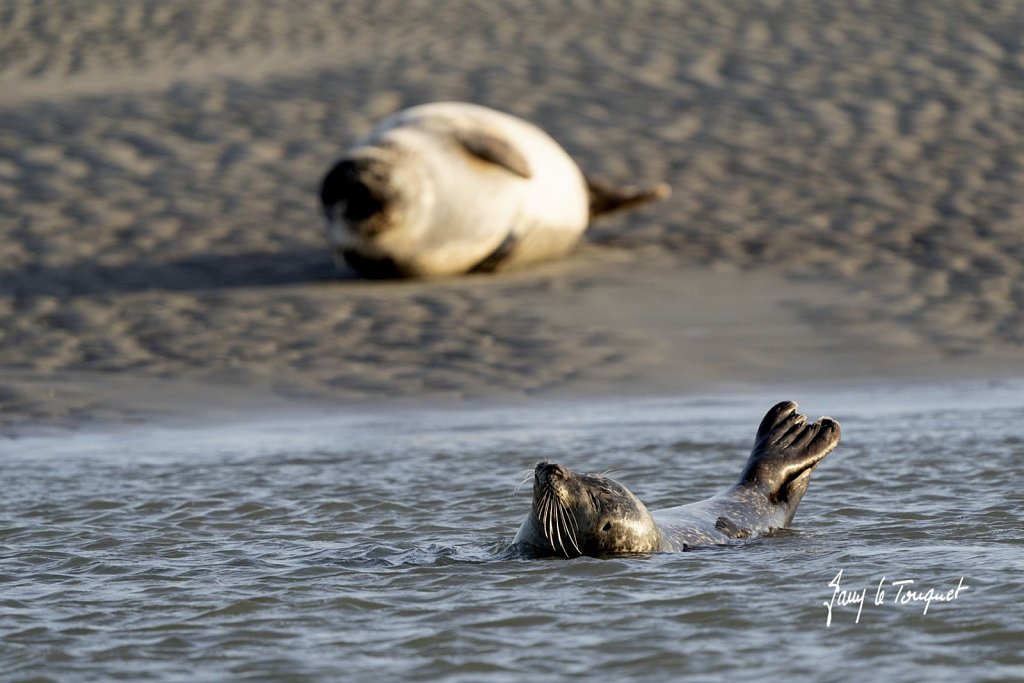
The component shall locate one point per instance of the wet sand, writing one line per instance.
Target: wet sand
(847, 183)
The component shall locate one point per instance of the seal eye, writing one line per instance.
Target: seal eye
(607, 526)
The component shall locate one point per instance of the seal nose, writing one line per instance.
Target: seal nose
(346, 185)
(361, 203)
(334, 187)
(549, 471)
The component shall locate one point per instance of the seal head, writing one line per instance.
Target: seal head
(585, 514)
(370, 196)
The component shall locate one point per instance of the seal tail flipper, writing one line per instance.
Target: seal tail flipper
(607, 198)
(786, 451)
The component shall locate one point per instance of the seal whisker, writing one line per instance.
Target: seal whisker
(556, 523)
(526, 476)
(558, 529)
(574, 535)
(572, 518)
(552, 522)
(545, 519)
(565, 514)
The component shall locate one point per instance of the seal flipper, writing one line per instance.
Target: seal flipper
(498, 256)
(494, 149)
(607, 198)
(786, 451)
(730, 528)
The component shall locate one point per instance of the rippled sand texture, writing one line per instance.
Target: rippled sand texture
(159, 162)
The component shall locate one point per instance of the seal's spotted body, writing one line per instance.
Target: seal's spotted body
(588, 514)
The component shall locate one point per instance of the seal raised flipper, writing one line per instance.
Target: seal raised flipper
(607, 198)
(786, 451)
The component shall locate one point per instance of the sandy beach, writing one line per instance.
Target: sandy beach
(847, 201)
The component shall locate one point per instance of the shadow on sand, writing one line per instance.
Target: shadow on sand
(194, 273)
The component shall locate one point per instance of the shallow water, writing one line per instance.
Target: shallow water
(372, 545)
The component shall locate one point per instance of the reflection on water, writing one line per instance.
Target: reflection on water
(373, 545)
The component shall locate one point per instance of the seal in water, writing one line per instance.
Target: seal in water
(449, 188)
(590, 514)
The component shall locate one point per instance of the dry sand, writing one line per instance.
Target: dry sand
(848, 181)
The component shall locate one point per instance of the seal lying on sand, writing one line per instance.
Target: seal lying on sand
(449, 188)
(589, 514)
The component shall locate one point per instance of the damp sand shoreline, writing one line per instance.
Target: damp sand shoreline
(618, 332)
